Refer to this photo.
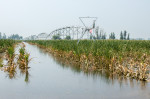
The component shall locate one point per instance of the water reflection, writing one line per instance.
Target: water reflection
(59, 79)
(104, 75)
(13, 68)
(12, 74)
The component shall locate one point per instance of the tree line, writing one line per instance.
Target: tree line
(13, 36)
(3, 36)
(123, 36)
(100, 35)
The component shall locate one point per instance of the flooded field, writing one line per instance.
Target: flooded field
(50, 79)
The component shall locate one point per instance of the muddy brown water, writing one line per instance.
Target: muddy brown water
(50, 79)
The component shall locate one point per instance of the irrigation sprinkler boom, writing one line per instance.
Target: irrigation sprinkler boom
(77, 32)
(87, 29)
(90, 18)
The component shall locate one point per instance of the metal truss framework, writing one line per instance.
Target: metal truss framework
(73, 31)
(76, 32)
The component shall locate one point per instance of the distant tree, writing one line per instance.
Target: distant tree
(55, 37)
(4, 36)
(104, 36)
(20, 38)
(121, 36)
(94, 37)
(124, 35)
(112, 36)
(0, 35)
(15, 37)
(68, 37)
(90, 36)
(128, 38)
(100, 36)
(97, 33)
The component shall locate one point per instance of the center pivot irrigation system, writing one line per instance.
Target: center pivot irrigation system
(86, 31)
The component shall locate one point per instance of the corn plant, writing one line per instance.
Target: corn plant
(23, 59)
(10, 55)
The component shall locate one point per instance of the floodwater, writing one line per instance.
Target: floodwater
(49, 79)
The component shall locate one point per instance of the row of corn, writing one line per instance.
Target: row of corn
(129, 58)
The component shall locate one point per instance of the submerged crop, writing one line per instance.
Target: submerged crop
(121, 57)
(16, 62)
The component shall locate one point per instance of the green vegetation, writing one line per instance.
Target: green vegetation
(6, 45)
(106, 48)
(15, 37)
(112, 36)
(55, 37)
(10, 55)
(1, 65)
(3, 36)
(68, 37)
(23, 59)
(124, 36)
(122, 57)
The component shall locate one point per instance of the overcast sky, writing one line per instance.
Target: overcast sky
(29, 17)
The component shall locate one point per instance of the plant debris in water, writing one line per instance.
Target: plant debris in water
(22, 61)
(127, 58)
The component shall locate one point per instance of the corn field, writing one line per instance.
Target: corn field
(106, 48)
(122, 57)
(4, 44)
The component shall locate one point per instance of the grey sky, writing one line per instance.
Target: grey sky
(27, 17)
